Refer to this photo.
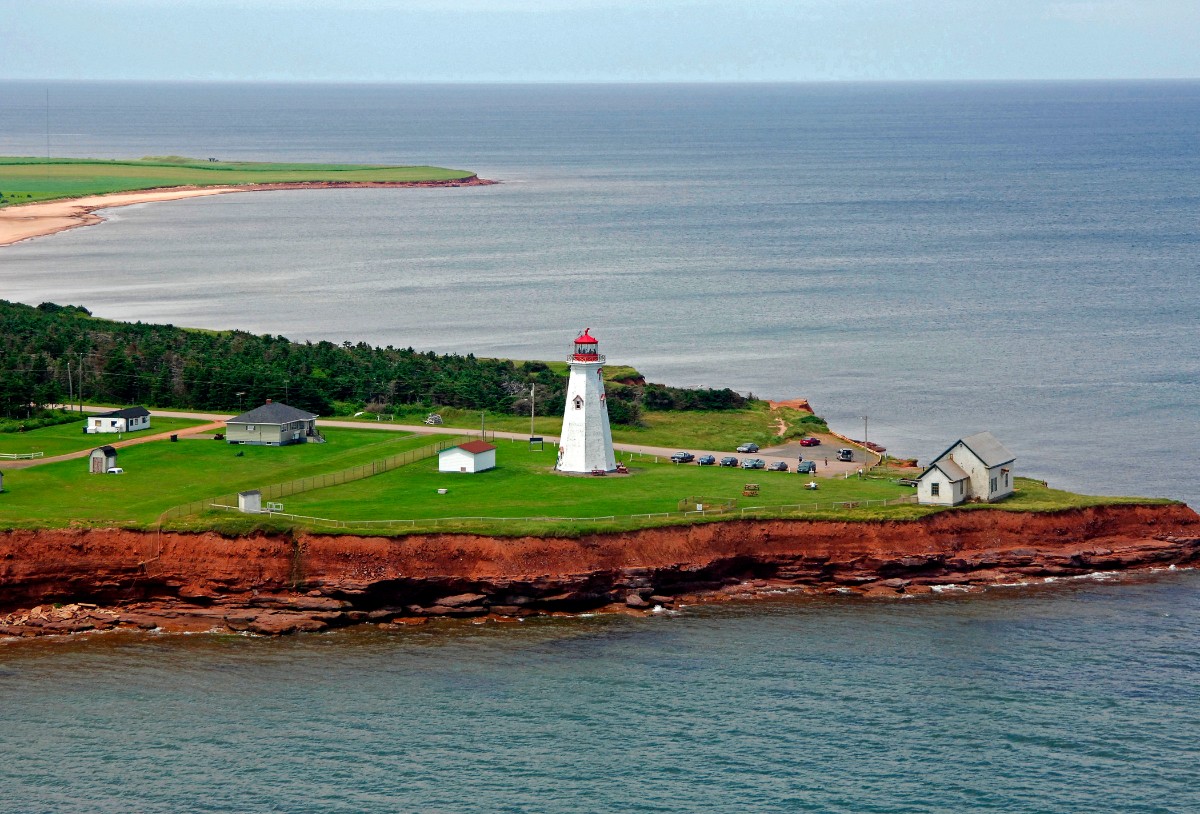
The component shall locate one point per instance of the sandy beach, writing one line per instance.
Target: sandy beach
(28, 221)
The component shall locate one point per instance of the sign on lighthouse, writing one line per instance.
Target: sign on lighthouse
(586, 441)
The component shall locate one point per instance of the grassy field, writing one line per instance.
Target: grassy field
(25, 180)
(717, 429)
(160, 475)
(63, 438)
(524, 485)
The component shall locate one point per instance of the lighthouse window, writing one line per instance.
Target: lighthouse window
(578, 403)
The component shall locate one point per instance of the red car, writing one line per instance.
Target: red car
(810, 442)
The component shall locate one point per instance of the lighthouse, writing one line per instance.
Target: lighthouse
(586, 441)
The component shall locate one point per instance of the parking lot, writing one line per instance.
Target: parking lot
(825, 455)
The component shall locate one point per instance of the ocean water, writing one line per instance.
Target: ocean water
(1075, 698)
(941, 258)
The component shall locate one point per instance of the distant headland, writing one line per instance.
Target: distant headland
(40, 196)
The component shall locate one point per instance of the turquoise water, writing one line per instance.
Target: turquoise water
(1076, 698)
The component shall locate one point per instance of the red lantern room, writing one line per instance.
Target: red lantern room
(585, 348)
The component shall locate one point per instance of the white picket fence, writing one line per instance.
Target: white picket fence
(20, 456)
(765, 512)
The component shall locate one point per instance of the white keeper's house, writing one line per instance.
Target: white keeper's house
(473, 456)
(977, 467)
(129, 419)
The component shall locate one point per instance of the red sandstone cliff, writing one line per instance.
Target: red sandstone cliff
(274, 584)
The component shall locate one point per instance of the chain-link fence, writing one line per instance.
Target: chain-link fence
(295, 487)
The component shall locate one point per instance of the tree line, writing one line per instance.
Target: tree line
(51, 354)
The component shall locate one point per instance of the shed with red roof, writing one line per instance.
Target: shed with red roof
(473, 456)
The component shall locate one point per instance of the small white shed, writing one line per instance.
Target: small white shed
(250, 502)
(977, 467)
(475, 456)
(101, 460)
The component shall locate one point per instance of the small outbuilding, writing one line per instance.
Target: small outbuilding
(977, 467)
(273, 424)
(475, 456)
(130, 419)
(250, 502)
(101, 460)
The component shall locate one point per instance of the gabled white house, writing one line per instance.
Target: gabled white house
(474, 456)
(131, 419)
(977, 467)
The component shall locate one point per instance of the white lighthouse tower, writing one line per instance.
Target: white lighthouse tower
(586, 442)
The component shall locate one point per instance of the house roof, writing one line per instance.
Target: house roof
(950, 469)
(475, 447)
(983, 445)
(107, 450)
(988, 449)
(272, 412)
(128, 412)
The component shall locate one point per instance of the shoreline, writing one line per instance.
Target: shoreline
(62, 581)
(22, 222)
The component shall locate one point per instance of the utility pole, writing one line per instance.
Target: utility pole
(483, 425)
(865, 439)
(532, 393)
(81, 383)
(70, 385)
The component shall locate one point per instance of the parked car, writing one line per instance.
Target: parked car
(683, 457)
(433, 418)
(747, 448)
(778, 466)
(810, 442)
(806, 468)
(753, 463)
(116, 470)
(706, 460)
(729, 460)
(845, 454)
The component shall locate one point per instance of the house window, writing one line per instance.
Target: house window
(578, 403)
(1006, 479)
(249, 428)
(993, 484)
(935, 489)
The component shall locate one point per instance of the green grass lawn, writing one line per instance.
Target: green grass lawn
(161, 474)
(64, 438)
(25, 180)
(523, 484)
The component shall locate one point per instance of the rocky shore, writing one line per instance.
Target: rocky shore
(56, 581)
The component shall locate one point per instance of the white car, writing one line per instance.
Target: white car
(116, 470)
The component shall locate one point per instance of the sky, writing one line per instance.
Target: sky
(599, 40)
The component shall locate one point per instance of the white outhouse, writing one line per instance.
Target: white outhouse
(473, 456)
(586, 442)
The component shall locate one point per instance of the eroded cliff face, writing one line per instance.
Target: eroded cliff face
(104, 578)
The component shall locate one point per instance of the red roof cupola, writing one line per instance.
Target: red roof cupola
(586, 348)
